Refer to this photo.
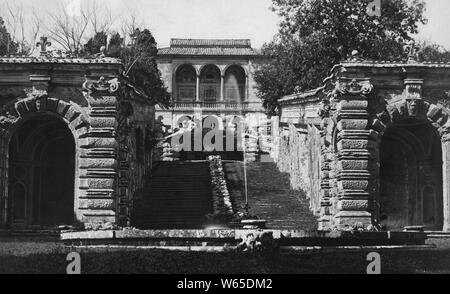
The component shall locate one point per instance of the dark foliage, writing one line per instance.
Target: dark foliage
(7, 45)
(139, 59)
(95, 43)
(316, 34)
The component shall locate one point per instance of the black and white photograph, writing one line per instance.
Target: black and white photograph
(224, 144)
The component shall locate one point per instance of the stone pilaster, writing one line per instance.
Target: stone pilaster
(354, 145)
(124, 129)
(3, 179)
(446, 183)
(325, 186)
(98, 163)
(197, 88)
(326, 161)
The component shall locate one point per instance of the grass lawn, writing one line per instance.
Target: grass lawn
(34, 256)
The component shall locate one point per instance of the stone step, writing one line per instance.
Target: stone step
(177, 196)
(270, 195)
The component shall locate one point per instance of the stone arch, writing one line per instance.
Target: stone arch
(436, 114)
(189, 64)
(210, 83)
(185, 82)
(224, 70)
(202, 68)
(408, 113)
(16, 113)
(235, 82)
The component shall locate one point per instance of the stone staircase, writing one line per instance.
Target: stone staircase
(270, 196)
(178, 196)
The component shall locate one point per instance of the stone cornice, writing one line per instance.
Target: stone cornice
(390, 64)
(34, 60)
(337, 70)
(310, 96)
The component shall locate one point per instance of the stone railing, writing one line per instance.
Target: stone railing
(210, 105)
(223, 208)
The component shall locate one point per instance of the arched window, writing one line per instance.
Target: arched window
(210, 84)
(234, 86)
(186, 80)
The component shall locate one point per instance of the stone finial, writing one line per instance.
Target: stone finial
(102, 53)
(412, 50)
(43, 44)
(355, 55)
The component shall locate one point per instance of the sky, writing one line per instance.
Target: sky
(249, 19)
(438, 14)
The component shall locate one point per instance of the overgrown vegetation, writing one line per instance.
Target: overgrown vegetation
(84, 35)
(314, 35)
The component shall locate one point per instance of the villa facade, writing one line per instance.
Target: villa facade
(209, 77)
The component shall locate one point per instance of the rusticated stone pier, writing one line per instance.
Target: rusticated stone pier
(93, 153)
(383, 142)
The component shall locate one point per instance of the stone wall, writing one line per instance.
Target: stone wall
(110, 121)
(136, 144)
(298, 153)
(361, 105)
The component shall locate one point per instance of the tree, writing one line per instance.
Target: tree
(429, 52)
(94, 44)
(7, 44)
(140, 64)
(116, 42)
(316, 34)
(70, 29)
(23, 24)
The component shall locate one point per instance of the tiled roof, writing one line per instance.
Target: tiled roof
(210, 47)
(210, 43)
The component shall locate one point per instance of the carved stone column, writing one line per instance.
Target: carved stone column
(446, 182)
(3, 180)
(355, 145)
(247, 87)
(325, 203)
(222, 89)
(197, 90)
(98, 164)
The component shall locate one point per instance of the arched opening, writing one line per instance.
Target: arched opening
(210, 84)
(234, 85)
(186, 82)
(41, 173)
(411, 191)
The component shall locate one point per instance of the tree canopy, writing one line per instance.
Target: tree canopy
(139, 59)
(316, 34)
(94, 44)
(7, 44)
(429, 52)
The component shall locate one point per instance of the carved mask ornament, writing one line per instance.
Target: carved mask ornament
(413, 96)
(413, 106)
